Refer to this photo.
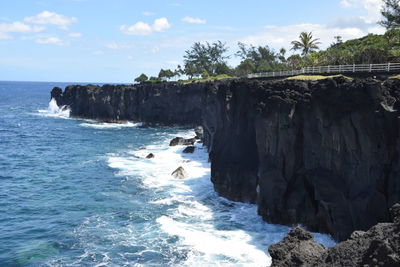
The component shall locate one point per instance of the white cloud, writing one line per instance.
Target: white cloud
(194, 20)
(117, 45)
(282, 36)
(47, 17)
(142, 28)
(147, 13)
(373, 8)
(50, 40)
(19, 27)
(75, 34)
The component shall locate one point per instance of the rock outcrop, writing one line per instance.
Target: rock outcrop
(189, 149)
(162, 103)
(324, 153)
(180, 141)
(379, 246)
(179, 173)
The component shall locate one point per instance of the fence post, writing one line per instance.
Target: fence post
(370, 67)
(354, 67)
(388, 68)
(329, 68)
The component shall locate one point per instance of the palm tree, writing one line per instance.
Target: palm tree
(306, 43)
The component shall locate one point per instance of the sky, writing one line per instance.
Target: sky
(116, 40)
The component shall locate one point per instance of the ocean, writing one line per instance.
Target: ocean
(81, 193)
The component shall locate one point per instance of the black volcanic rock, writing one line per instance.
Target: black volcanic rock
(324, 153)
(379, 246)
(189, 149)
(150, 156)
(179, 173)
(296, 249)
(163, 103)
(180, 141)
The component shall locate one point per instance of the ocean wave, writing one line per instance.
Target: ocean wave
(215, 230)
(107, 125)
(53, 110)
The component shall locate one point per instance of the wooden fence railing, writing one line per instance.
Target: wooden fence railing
(337, 69)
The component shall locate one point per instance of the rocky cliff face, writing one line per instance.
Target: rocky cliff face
(320, 153)
(161, 103)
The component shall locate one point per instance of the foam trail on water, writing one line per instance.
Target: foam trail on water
(53, 110)
(214, 230)
(107, 125)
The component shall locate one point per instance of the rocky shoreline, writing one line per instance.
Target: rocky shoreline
(323, 154)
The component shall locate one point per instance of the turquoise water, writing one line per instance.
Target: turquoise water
(81, 193)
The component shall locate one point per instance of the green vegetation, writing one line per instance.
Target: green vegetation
(395, 76)
(207, 61)
(142, 78)
(314, 77)
(307, 44)
(391, 14)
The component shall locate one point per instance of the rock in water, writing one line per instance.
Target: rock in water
(297, 249)
(379, 246)
(180, 141)
(199, 132)
(150, 156)
(179, 173)
(189, 149)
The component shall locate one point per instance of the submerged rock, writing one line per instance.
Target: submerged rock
(379, 246)
(179, 173)
(180, 141)
(189, 149)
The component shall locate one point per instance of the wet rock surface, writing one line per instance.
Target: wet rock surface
(379, 246)
(179, 173)
(189, 149)
(180, 141)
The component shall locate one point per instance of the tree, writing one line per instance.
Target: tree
(245, 68)
(262, 57)
(142, 78)
(306, 43)
(166, 74)
(205, 57)
(391, 14)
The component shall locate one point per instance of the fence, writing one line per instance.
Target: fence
(386, 67)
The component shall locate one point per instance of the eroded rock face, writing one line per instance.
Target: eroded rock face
(379, 246)
(161, 103)
(324, 154)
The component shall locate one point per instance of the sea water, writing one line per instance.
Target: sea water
(82, 193)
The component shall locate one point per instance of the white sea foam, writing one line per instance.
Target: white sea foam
(215, 230)
(107, 125)
(53, 110)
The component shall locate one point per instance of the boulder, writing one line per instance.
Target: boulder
(297, 249)
(189, 149)
(179, 173)
(180, 141)
(379, 246)
(150, 156)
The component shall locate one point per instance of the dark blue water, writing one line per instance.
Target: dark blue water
(80, 193)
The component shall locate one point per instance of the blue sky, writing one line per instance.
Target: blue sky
(115, 41)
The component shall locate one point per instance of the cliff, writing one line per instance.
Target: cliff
(320, 153)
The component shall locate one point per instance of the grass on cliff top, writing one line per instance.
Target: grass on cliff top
(314, 77)
(395, 76)
(218, 77)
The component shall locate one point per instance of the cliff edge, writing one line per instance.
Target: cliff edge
(323, 154)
